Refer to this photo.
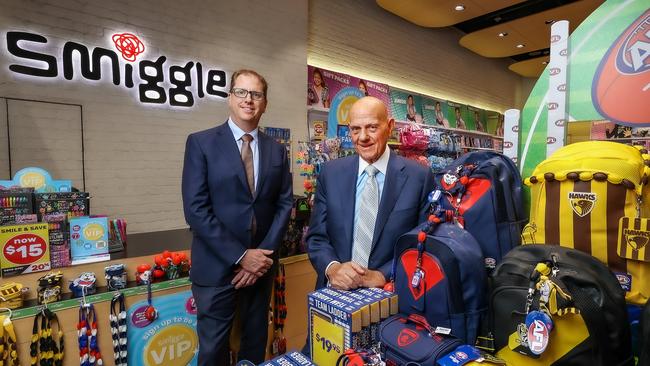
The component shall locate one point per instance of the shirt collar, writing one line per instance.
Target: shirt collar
(381, 164)
(238, 132)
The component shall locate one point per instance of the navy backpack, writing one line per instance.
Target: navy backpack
(440, 277)
(483, 191)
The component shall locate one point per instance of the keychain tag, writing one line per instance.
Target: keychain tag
(539, 326)
(633, 239)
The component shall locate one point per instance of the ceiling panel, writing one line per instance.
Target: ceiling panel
(532, 68)
(531, 31)
(441, 13)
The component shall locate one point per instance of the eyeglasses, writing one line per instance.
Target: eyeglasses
(243, 93)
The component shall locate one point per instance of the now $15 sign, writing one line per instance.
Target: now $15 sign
(25, 249)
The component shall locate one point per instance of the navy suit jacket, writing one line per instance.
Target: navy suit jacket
(219, 207)
(403, 205)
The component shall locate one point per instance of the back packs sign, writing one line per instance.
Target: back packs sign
(621, 87)
(156, 81)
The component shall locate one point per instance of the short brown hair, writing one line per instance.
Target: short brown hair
(265, 85)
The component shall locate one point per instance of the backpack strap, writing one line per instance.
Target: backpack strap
(596, 324)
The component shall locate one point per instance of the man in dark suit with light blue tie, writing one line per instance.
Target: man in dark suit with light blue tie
(363, 203)
(237, 198)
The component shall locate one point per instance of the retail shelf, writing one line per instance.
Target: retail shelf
(481, 148)
(645, 138)
(99, 297)
(450, 129)
(318, 109)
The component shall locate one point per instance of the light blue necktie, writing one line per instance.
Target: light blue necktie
(368, 208)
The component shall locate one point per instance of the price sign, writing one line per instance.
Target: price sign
(327, 340)
(25, 249)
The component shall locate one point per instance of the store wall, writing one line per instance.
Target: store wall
(133, 152)
(359, 38)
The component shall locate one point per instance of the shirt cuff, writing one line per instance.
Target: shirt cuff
(328, 267)
(242, 257)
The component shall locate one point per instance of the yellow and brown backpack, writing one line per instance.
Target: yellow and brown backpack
(593, 196)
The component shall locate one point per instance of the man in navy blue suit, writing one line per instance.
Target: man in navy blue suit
(364, 203)
(237, 197)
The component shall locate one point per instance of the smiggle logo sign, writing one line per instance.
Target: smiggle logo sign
(156, 81)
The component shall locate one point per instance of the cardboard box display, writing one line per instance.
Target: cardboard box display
(89, 239)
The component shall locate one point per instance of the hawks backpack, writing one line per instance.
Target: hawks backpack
(436, 276)
(483, 190)
(585, 302)
(593, 196)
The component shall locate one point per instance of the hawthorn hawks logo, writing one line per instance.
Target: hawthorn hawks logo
(636, 239)
(406, 337)
(621, 85)
(582, 202)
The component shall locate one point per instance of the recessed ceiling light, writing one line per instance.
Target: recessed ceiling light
(549, 21)
(521, 45)
(459, 7)
(544, 62)
(503, 34)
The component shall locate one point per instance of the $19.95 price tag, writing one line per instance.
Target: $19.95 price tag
(24, 249)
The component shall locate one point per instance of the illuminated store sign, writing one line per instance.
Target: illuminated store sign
(156, 82)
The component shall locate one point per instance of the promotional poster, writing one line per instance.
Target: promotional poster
(169, 340)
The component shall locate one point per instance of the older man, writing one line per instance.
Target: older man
(364, 203)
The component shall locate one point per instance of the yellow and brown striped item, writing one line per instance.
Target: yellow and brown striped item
(579, 197)
(11, 295)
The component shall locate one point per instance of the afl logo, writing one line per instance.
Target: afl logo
(550, 140)
(515, 128)
(559, 122)
(555, 38)
(507, 144)
(623, 279)
(625, 71)
(554, 71)
(561, 87)
(553, 106)
(564, 52)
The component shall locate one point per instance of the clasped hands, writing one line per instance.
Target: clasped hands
(350, 275)
(254, 264)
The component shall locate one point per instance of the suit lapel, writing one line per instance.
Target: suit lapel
(228, 147)
(395, 179)
(264, 149)
(349, 179)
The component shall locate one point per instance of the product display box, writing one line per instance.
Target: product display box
(25, 249)
(59, 242)
(16, 205)
(339, 320)
(73, 204)
(289, 359)
(89, 239)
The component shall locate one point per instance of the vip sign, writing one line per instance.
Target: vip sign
(157, 82)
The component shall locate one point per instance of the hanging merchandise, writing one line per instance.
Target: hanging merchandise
(151, 313)
(89, 354)
(11, 295)
(8, 350)
(44, 349)
(484, 191)
(435, 275)
(84, 285)
(557, 306)
(49, 288)
(143, 274)
(589, 196)
(279, 344)
(118, 322)
(115, 275)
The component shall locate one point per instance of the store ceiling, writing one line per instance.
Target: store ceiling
(524, 25)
